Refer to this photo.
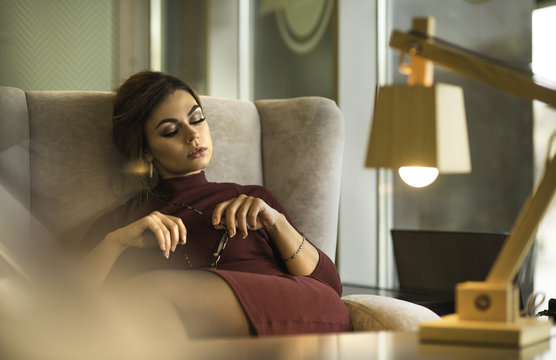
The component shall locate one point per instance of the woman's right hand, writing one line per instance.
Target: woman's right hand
(155, 229)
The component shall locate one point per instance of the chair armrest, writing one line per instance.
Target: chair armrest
(376, 313)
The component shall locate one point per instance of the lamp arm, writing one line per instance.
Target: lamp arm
(521, 237)
(472, 66)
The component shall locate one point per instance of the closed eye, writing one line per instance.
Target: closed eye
(170, 134)
(195, 122)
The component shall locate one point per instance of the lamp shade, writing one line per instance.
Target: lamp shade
(419, 126)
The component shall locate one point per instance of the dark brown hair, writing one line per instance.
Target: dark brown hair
(134, 102)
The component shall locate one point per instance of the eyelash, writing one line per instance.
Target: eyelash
(196, 122)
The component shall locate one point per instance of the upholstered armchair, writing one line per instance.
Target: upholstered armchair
(59, 168)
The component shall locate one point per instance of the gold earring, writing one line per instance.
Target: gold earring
(151, 170)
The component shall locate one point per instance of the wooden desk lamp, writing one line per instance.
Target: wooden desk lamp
(487, 312)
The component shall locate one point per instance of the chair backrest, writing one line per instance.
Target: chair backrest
(57, 157)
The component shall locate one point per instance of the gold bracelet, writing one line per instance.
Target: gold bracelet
(296, 252)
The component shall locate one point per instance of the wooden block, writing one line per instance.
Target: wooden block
(422, 70)
(451, 329)
(485, 301)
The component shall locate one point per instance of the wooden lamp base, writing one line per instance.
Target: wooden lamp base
(453, 330)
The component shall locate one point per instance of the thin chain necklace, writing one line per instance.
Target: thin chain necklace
(223, 240)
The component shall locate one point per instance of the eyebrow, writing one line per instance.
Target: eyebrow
(193, 108)
(172, 120)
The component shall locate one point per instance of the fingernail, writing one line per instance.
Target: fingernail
(166, 255)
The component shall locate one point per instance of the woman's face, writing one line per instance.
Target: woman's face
(178, 137)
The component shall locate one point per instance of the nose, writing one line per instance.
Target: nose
(191, 135)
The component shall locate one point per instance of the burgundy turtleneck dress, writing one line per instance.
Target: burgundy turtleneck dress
(274, 301)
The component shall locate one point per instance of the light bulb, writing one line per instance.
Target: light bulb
(418, 176)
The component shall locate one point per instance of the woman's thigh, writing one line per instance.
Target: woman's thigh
(204, 301)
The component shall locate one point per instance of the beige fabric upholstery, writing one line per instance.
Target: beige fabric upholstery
(236, 132)
(302, 147)
(373, 312)
(14, 144)
(75, 168)
(58, 161)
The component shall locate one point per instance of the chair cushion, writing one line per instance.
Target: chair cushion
(236, 135)
(75, 169)
(303, 142)
(377, 313)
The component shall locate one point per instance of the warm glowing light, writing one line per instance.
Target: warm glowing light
(418, 176)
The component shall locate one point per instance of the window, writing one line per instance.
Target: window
(544, 58)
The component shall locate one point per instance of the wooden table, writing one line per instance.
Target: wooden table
(343, 346)
(361, 345)
(348, 346)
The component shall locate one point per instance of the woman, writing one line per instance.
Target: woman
(249, 270)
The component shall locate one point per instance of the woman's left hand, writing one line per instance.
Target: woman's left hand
(244, 213)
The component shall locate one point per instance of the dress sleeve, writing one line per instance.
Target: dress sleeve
(325, 271)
